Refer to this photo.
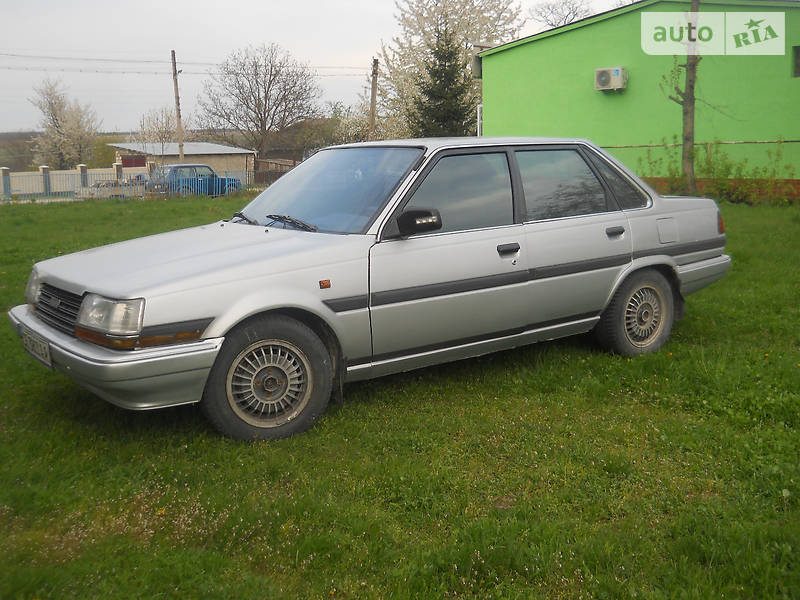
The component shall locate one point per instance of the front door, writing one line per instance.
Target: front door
(461, 284)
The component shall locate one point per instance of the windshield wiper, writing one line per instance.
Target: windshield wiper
(244, 217)
(287, 220)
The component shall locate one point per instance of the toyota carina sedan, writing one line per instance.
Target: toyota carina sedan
(370, 259)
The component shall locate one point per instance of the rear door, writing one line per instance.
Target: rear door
(577, 241)
(462, 283)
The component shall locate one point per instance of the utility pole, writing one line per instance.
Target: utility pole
(373, 99)
(177, 107)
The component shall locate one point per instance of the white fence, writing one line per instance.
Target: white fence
(77, 183)
(117, 182)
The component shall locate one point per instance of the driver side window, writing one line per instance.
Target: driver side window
(470, 191)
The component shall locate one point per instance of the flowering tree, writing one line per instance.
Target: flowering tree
(68, 128)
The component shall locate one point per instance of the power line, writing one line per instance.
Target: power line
(89, 59)
(103, 71)
(148, 61)
(120, 72)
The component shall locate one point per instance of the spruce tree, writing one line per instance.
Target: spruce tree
(444, 105)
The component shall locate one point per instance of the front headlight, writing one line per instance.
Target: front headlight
(33, 288)
(114, 323)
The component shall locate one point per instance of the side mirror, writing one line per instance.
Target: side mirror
(419, 220)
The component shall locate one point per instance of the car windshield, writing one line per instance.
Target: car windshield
(337, 190)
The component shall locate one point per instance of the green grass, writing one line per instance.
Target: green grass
(554, 471)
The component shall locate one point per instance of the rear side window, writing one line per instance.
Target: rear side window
(559, 183)
(470, 191)
(628, 196)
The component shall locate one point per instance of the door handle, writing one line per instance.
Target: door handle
(615, 231)
(504, 249)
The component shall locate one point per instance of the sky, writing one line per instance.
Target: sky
(66, 41)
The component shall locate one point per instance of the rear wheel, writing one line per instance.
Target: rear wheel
(272, 379)
(640, 316)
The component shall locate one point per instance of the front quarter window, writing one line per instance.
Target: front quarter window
(337, 190)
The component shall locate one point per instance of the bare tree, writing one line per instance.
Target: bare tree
(159, 126)
(69, 128)
(257, 91)
(483, 22)
(556, 14)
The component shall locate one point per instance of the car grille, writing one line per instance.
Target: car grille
(58, 308)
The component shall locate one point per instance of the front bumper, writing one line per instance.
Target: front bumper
(134, 379)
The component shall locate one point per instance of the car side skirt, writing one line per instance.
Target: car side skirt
(461, 349)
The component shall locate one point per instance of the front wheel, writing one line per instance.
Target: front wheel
(640, 316)
(272, 379)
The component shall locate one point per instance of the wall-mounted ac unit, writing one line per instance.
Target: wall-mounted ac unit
(611, 78)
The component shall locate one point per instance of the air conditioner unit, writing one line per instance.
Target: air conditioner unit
(611, 78)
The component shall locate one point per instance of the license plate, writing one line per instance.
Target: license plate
(37, 346)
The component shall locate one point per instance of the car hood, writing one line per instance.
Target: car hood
(188, 258)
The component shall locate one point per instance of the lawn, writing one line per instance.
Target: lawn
(553, 471)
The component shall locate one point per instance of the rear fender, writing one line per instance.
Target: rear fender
(664, 265)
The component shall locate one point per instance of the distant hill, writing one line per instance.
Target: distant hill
(16, 135)
(15, 150)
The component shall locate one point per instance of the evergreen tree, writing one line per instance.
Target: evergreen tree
(484, 22)
(444, 105)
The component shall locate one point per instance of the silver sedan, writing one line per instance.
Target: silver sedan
(370, 259)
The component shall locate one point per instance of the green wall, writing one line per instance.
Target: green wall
(545, 87)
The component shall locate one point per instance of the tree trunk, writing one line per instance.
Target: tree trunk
(687, 154)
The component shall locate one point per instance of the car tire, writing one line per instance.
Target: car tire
(272, 379)
(639, 318)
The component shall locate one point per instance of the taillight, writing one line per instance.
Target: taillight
(720, 223)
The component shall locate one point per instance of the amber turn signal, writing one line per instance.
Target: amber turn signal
(104, 339)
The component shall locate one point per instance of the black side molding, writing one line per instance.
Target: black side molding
(450, 287)
(198, 325)
(686, 248)
(349, 303)
(579, 266)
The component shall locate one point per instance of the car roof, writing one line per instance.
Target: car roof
(431, 144)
